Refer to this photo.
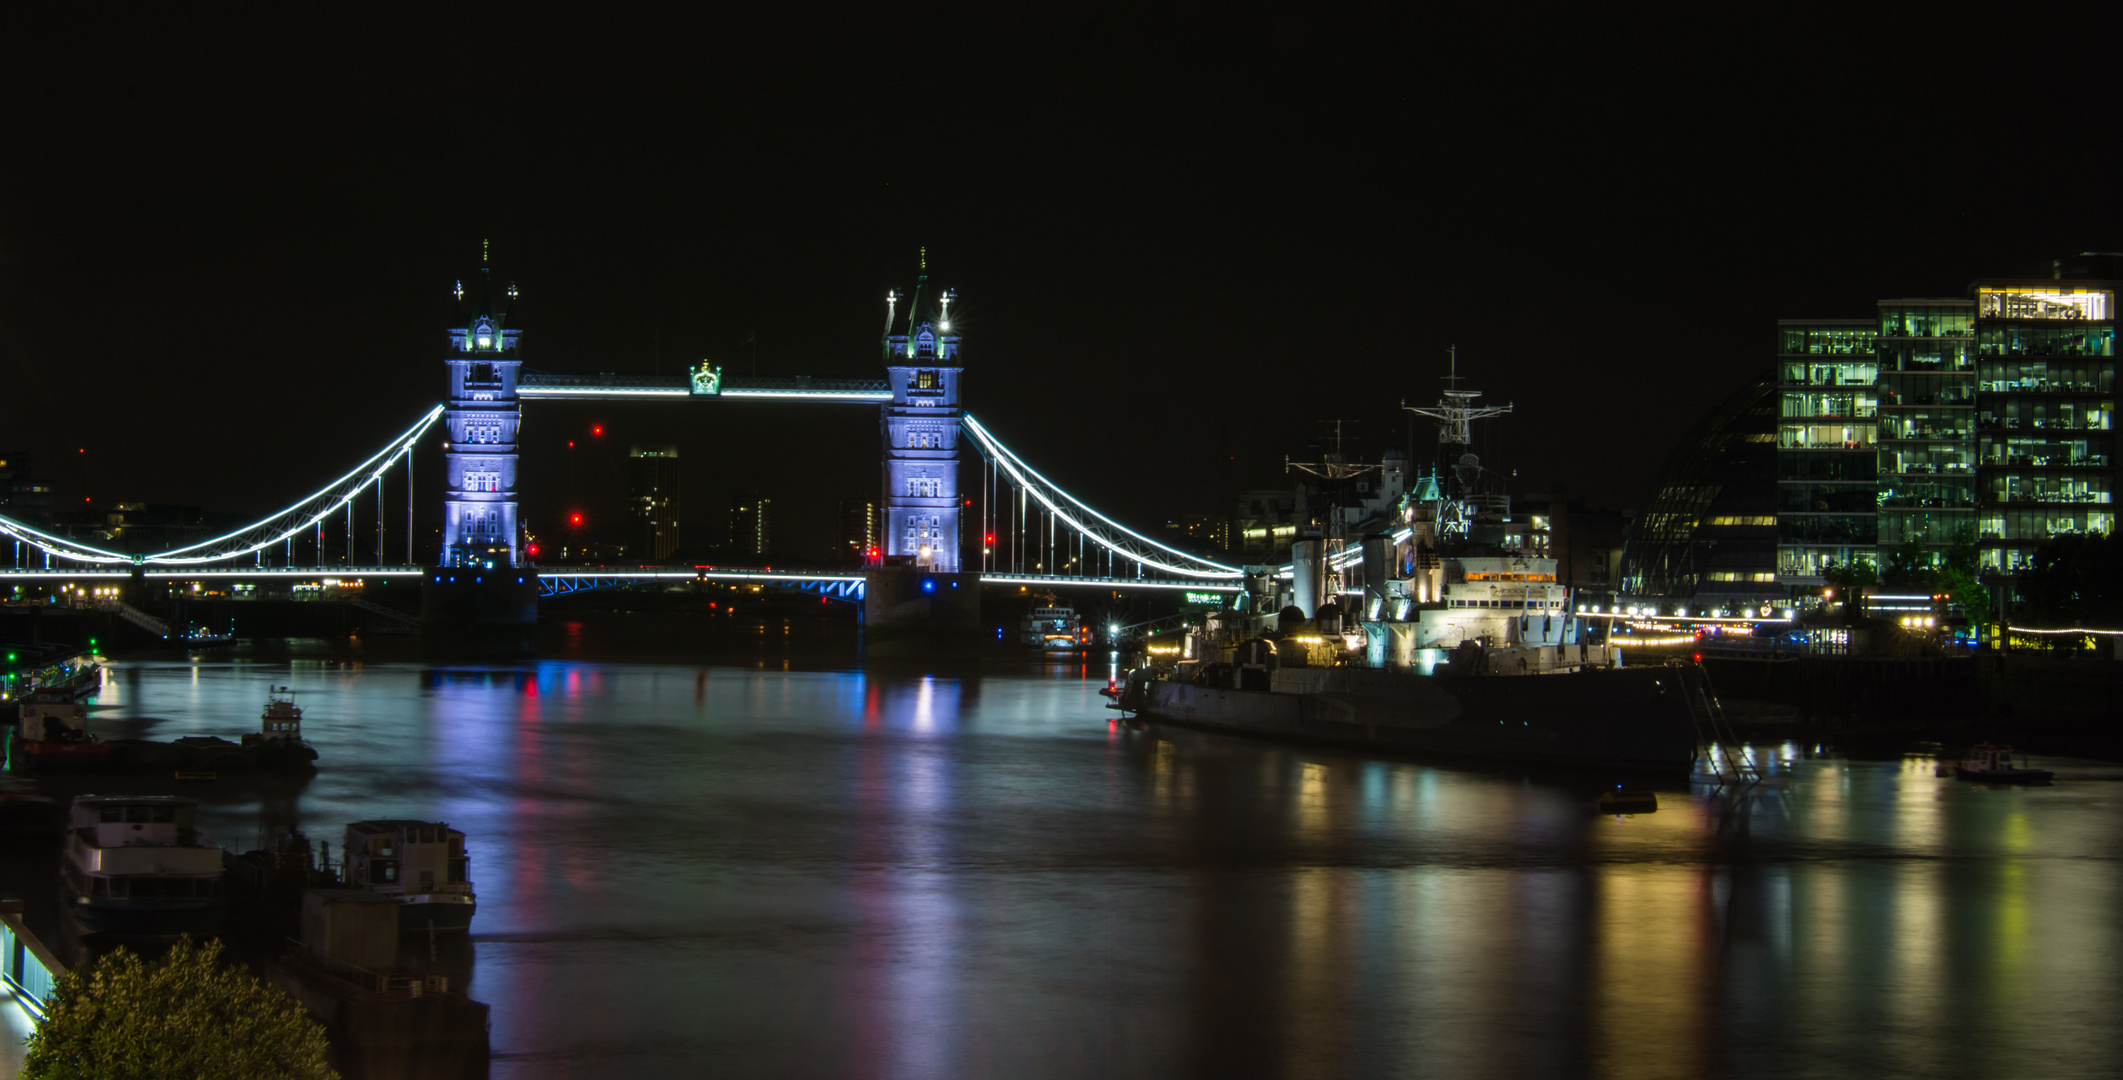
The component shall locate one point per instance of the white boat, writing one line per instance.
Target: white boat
(1988, 762)
(421, 864)
(1054, 628)
(136, 866)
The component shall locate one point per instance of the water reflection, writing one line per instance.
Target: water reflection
(844, 873)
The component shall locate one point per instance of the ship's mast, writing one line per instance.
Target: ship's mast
(1456, 410)
(1455, 413)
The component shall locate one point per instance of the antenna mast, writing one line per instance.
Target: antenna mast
(1456, 410)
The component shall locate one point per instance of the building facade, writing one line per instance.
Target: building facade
(1990, 415)
(2044, 411)
(1827, 465)
(1709, 530)
(862, 523)
(482, 418)
(1927, 428)
(752, 524)
(920, 428)
(652, 500)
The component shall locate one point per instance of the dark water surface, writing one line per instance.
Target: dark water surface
(737, 871)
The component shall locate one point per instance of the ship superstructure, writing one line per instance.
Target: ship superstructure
(1428, 618)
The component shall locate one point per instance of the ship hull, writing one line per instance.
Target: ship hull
(122, 918)
(1628, 719)
(445, 913)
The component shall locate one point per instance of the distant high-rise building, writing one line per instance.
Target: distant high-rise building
(21, 497)
(751, 524)
(862, 524)
(652, 500)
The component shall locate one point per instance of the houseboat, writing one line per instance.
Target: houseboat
(136, 866)
(421, 864)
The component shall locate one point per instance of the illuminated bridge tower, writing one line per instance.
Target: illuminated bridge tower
(921, 445)
(479, 505)
(920, 601)
(479, 593)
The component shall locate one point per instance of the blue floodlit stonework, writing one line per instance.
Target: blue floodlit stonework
(921, 446)
(479, 502)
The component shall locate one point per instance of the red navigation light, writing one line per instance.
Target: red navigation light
(574, 519)
(1699, 658)
(969, 502)
(597, 429)
(83, 450)
(571, 444)
(991, 538)
(531, 550)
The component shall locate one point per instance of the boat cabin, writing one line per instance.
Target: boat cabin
(401, 857)
(54, 719)
(130, 850)
(282, 721)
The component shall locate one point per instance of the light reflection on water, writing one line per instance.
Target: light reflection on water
(839, 873)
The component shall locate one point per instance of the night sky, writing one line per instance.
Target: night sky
(227, 241)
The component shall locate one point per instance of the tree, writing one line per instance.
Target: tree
(1848, 578)
(1908, 566)
(1958, 578)
(186, 1015)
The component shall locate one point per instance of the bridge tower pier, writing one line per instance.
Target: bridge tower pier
(479, 593)
(918, 597)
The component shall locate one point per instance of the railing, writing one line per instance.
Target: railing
(28, 968)
(532, 378)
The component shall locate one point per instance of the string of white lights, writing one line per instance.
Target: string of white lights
(375, 467)
(1012, 464)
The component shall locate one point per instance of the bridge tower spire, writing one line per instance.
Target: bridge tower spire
(479, 525)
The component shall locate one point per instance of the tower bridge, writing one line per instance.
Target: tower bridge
(1029, 531)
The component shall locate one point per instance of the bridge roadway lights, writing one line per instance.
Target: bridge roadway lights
(911, 612)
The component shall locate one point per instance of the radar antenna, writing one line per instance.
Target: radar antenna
(1456, 410)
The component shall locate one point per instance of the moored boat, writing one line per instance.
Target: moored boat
(136, 866)
(421, 864)
(1053, 627)
(1988, 762)
(51, 733)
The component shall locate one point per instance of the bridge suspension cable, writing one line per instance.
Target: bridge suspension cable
(274, 529)
(1117, 540)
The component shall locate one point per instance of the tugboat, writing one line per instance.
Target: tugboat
(421, 864)
(278, 740)
(52, 734)
(135, 867)
(1424, 619)
(277, 746)
(1994, 763)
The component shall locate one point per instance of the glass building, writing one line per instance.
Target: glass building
(1927, 428)
(1827, 439)
(2044, 413)
(1709, 531)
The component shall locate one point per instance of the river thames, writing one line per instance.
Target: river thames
(747, 870)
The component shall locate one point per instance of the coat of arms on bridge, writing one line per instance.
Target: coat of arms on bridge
(707, 379)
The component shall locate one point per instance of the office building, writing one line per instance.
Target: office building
(1708, 533)
(1827, 454)
(2044, 408)
(652, 500)
(751, 524)
(862, 523)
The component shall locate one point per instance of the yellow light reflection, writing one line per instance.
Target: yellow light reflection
(1651, 989)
